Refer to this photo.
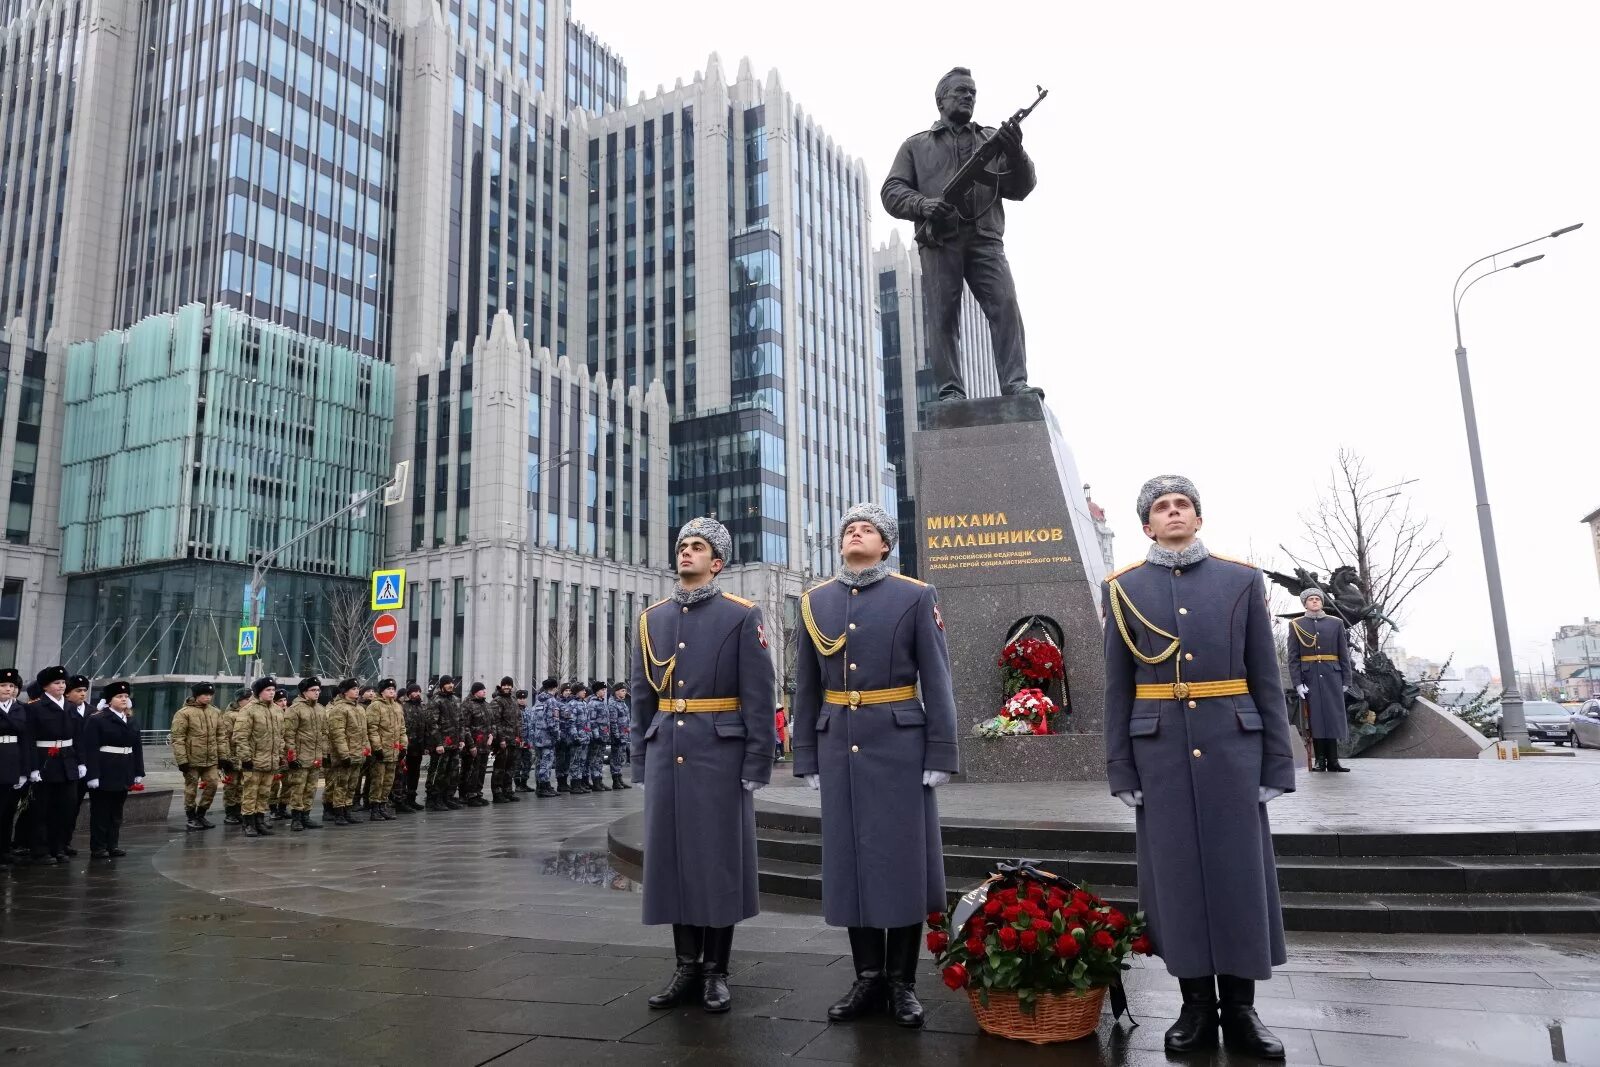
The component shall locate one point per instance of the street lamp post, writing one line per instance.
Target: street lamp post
(1515, 727)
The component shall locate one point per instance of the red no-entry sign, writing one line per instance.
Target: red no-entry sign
(385, 628)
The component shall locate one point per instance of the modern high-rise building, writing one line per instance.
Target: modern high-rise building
(907, 377)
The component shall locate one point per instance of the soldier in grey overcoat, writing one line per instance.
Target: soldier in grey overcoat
(876, 747)
(1197, 742)
(702, 704)
(1319, 666)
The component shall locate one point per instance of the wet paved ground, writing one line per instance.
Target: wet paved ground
(504, 935)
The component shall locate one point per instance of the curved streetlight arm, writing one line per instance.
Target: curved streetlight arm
(1455, 291)
(1463, 294)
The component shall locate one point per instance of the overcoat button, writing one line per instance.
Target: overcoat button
(1196, 752)
(1196, 755)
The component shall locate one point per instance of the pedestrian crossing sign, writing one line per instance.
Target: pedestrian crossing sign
(247, 640)
(388, 590)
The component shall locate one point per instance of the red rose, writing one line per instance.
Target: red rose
(1081, 899)
(53, 750)
(938, 940)
(955, 976)
(1035, 891)
(1066, 948)
(1008, 896)
(1103, 940)
(1012, 913)
(449, 740)
(1008, 938)
(935, 918)
(1057, 901)
(1030, 940)
(977, 927)
(975, 946)
(1117, 921)
(1141, 945)
(1031, 908)
(137, 787)
(289, 755)
(992, 907)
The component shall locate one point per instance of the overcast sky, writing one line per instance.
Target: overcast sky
(1240, 251)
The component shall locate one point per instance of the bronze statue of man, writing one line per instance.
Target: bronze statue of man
(962, 240)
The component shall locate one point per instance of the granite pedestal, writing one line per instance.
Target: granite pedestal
(1002, 527)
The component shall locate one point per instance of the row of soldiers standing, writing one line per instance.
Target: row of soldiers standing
(266, 752)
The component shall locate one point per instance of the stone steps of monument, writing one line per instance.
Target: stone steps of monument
(1307, 874)
(1396, 841)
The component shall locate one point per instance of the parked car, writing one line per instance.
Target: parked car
(1584, 729)
(1547, 721)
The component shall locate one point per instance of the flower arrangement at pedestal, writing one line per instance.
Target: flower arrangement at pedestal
(1030, 665)
(1036, 954)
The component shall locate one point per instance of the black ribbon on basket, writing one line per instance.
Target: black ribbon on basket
(1008, 872)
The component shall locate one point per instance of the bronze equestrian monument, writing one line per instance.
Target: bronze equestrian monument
(1003, 526)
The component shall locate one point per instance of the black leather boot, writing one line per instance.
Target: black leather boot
(306, 823)
(687, 944)
(618, 783)
(294, 822)
(205, 823)
(866, 993)
(1333, 757)
(1242, 1029)
(904, 948)
(250, 825)
(230, 815)
(715, 998)
(1319, 762)
(1196, 1027)
(262, 828)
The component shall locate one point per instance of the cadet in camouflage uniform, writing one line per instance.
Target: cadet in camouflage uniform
(199, 744)
(564, 736)
(279, 800)
(233, 783)
(524, 742)
(303, 742)
(475, 761)
(599, 736)
(358, 790)
(258, 745)
(405, 785)
(347, 736)
(505, 721)
(386, 732)
(582, 734)
(445, 741)
(621, 723)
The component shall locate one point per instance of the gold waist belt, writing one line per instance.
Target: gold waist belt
(857, 697)
(1319, 659)
(1229, 687)
(682, 706)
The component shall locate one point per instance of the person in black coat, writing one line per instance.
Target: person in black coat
(77, 697)
(55, 731)
(14, 757)
(116, 765)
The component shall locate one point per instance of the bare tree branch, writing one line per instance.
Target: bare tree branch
(345, 648)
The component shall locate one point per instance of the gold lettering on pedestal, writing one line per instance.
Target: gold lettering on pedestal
(988, 530)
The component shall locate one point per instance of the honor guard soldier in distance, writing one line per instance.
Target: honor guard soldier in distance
(304, 741)
(199, 744)
(386, 737)
(877, 749)
(505, 723)
(702, 734)
(1197, 742)
(115, 761)
(1319, 666)
(57, 766)
(14, 757)
(444, 737)
(258, 746)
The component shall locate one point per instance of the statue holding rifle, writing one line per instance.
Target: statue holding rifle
(950, 180)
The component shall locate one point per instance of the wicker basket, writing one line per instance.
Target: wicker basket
(1056, 1016)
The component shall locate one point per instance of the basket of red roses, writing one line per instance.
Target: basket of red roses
(1036, 954)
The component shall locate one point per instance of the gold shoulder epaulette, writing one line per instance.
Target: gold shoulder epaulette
(819, 585)
(905, 578)
(1230, 559)
(740, 600)
(657, 604)
(1125, 570)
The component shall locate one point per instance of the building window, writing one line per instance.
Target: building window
(435, 625)
(458, 635)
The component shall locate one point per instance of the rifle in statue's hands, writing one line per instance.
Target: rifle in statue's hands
(965, 178)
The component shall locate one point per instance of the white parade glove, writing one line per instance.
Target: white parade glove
(139, 780)
(83, 772)
(814, 781)
(1134, 798)
(33, 776)
(21, 782)
(1268, 793)
(94, 783)
(1302, 689)
(751, 787)
(934, 779)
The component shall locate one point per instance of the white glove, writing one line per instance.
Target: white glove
(1302, 689)
(94, 783)
(33, 776)
(21, 782)
(934, 779)
(814, 781)
(83, 772)
(751, 787)
(1134, 798)
(1268, 793)
(139, 780)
